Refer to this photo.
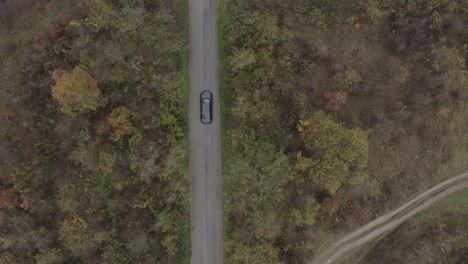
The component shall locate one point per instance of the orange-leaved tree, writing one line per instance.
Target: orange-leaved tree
(76, 91)
(119, 121)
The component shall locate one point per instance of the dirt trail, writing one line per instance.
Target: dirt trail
(347, 245)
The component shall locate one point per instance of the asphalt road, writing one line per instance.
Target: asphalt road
(205, 140)
(344, 247)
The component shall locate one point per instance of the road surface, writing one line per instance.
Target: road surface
(205, 144)
(349, 244)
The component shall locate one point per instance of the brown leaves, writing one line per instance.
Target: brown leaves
(334, 99)
(345, 214)
(329, 206)
(8, 198)
(6, 112)
(28, 202)
(350, 220)
(311, 130)
(55, 30)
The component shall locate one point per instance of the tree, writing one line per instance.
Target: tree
(75, 236)
(138, 243)
(333, 155)
(304, 216)
(120, 121)
(254, 196)
(49, 256)
(76, 91)
(450, 64)
(241, 59)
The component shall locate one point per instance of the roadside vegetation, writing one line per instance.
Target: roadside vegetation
(93, 131)
(336, 112)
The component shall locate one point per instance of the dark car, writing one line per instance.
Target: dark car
(206, 107)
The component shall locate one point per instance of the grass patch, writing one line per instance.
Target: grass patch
(366, 249)
(455, 203)
(184, 244)
(183, 67)
(224, 95)
(184, 247)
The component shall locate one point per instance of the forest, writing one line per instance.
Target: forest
(93, 132)
(335, 112)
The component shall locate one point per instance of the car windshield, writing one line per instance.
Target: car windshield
(206, 95)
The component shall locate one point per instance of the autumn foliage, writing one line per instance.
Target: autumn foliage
(334, 99)
(119, 123)
(333, 155)
(93, 127)
(6, 112)
(8, 198)
(76, 91)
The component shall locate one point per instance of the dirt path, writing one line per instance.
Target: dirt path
(347, 245)
(205, 151)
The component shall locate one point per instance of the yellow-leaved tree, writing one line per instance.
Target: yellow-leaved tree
(334, 155)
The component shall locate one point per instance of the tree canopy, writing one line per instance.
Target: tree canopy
(333, 155)
(76, 91)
